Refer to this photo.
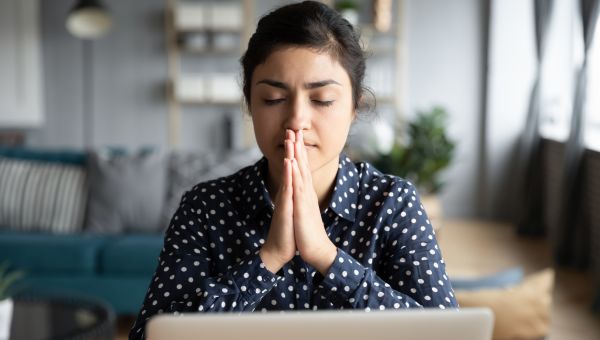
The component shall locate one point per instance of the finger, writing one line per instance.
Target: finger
(289, 149)
(298, 145)
(305, 154)
(284, 173)
(286, 186)
(301, 155)
(289, 134)
(296, 179)
(279, 193)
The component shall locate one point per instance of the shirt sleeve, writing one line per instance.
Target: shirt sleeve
(412, 271)
(184, 282)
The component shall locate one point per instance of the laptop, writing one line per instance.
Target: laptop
(413, 324)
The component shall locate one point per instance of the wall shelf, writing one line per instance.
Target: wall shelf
(193, 33)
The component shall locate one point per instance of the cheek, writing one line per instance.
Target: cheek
(334, 138)
(264, 128)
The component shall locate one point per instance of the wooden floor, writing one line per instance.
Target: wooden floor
(473, 248)
(477, 248)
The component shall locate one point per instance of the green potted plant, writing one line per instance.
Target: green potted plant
(421, 156)
(8, 278)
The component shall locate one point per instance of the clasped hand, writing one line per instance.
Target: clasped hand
(296, 224)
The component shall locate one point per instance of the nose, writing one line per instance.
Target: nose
(298, 115)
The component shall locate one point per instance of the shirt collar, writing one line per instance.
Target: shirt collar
(345, 192)
(254, 195)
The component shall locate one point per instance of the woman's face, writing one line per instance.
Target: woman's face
(299, 89)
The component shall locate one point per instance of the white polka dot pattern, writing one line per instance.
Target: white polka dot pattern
(388, 257)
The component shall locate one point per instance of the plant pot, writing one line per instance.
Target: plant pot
(433, 208)
(6, 310)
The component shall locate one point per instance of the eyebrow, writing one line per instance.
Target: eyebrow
(309, 86)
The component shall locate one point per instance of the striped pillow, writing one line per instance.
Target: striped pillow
(41, 196)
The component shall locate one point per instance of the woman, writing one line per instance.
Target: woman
(304, 227)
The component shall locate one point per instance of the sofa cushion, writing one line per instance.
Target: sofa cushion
(131, 255)
(127, 192)
(41, 196)
(520, 312)
(42, 254)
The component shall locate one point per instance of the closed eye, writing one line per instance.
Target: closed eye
(274, 101)
(323, 102)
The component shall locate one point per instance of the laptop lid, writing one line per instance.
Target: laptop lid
(414, 324)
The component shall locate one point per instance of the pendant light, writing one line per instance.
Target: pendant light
(88, 19)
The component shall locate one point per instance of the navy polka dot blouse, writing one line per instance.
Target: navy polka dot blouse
(388, 256)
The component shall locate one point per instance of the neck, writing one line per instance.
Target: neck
(323, 180)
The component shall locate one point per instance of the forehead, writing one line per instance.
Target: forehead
(294, 64)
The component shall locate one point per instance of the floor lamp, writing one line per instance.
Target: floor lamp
(88, 20)
(87, 73)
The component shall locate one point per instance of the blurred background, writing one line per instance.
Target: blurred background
(490, 107)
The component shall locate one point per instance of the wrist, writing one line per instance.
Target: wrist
(323, 262)
(271, 262)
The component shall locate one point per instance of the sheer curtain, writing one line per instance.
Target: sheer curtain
(572, 247)
(529, 201)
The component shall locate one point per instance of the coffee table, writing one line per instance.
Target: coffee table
(61, 317)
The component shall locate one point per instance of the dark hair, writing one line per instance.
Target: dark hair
(308, 24)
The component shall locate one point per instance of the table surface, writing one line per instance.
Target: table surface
(61, 318)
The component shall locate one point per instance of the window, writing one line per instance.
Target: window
(557, 77)
(592, 124)
(564, 56)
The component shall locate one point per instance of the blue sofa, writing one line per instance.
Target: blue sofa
(113, 266)
(116, 269)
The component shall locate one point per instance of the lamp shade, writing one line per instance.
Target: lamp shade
(88, 19)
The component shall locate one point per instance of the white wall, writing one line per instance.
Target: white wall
(128, 72)
(511, 75)
(444, 66)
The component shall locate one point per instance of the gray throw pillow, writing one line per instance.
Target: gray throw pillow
(127, 192)
(232, 162)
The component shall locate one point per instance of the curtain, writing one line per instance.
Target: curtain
(572, 246)
(529, 200)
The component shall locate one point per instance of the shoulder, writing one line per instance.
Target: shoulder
(393, 199)
(390, 187)
(221, 187)
(226, 190)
